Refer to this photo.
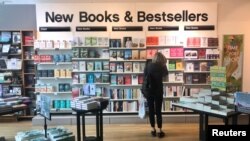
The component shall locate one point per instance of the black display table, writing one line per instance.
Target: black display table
(99, 121)
(204, 114)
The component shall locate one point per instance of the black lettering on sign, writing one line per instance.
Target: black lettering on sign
(58, 17)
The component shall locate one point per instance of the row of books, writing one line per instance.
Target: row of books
(199, 66)
(90, 78)
(90, 41)
(81, 52)
(127, 79)
(174, 64)
(202, 41)
(175, 77)
(127, 42)
(99, 91)
(202, 54)
(52, 58)
(162, 40)
(90, 65)
(127, 54)
(175, 52)
(127, 67)
(126, 93)
(172, 91)
(49, 44)
(123, 106)
(197, 78)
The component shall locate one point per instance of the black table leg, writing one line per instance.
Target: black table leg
(226, 121)
(78, 127)
(101, 126)
(206, 127)
(97, 125)
(201, 127)
(83, 127)
(235, 119)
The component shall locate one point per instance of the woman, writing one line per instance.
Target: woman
(156, 70)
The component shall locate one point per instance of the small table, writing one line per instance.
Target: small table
(204, 117)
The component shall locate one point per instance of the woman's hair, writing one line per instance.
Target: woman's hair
(159, 58)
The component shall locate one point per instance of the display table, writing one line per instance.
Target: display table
(204, 114)
(99, 121)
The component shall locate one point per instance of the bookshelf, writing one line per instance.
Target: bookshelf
(53, 62)
(127, 62)
(200, 53)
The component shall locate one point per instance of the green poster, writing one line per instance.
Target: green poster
(233, 60)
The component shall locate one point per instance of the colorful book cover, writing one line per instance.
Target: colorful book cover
(128, 67)
(152, 40)
(82, 66)
(90, 66)
(112, 67)
(98, 78)
(120, 80)
(98, 65)
(105, 65)
(135, 54)
(136, 67)
(142, 54)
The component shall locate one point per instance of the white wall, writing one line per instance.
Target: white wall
(233, 18)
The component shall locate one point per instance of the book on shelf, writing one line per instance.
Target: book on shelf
(105, 65)
(90, 66)
(142, 54)
(97, 77)
(127, 79)
(115, 43)
(90, 78)
(189, 66)
(135, 54)
(193, 42)
(152, 40)
(178, 77)
(142, 66)
(176, 52)
(103, 41)
(113, 79)
(136, 67)
(105, 53)
(171, 65)
(171, 40)
(87, 41)
(120, 55)
(127, 54)
(75, 65)
(98, 65)
(105, 78)
(82, 66)
(204, 42)
(161, 40)
(135, 42)
(76, 52)
(171, 77)
(120, 80)
(134, 78)
(203, 66)
(188, 79)
(196, 66)
(83, 53)
(75, 78)
(128, 67)
(75, 92)
(142, 42)
(98, 91)
(213, 42)
(113, 55)
(94, 41)
(179, 65)
(16, 38)
(112, 67)
(119, 67)
(201, 53)
(140, 78)
(82, 78)
(191, 54)
(127, 42)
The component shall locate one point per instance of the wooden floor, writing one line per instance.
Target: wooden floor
(115, 132)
